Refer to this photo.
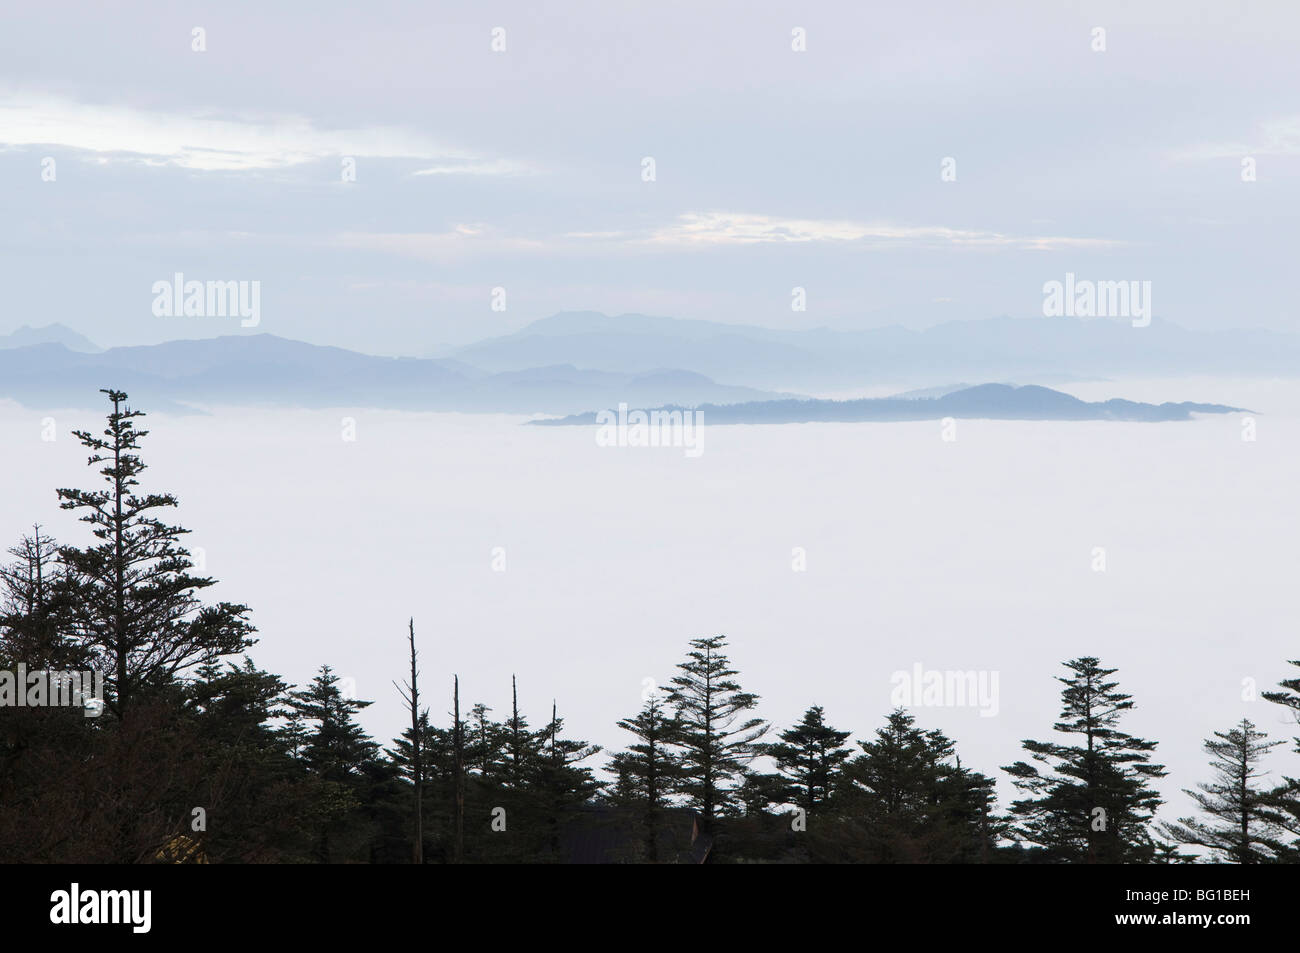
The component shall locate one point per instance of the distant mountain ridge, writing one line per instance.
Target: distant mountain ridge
(983, 401)
(821, 359)
(27, 336)
(576, 361)
(261, 369)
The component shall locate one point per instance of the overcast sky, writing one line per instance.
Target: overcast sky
(523, 168)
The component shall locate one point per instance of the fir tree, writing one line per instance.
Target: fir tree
(250, 785)
(715, 739)
(561, 784)
(907, 799)
(809, 758)
(1284, 800)
(336, 746)
(484, 741)
(520, 742)
(1289, 696)
(435, 754)
(339, 756)
(647, 771)
(33, 606)
(136, 602)
(1094, 803)
(1242, 823)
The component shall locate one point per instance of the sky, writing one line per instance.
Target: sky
(524, 168)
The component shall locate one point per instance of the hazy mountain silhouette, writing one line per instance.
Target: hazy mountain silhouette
(266, 370)
(27, 336)
(985, 401)
(1050, 349)
(575, 361)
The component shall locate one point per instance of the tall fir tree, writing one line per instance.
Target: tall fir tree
(1242, 824)
(137, 606)
(1094, 802)
(715, 739)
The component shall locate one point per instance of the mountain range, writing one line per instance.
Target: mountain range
(26, 336)
(580, 361)
(264, 370)
(983, 401)
(1038, 350)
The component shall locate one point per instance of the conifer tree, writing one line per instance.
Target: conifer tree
(715, 739)
(1285, 798)
(27, 584)
(45, 752)
(336, 745)
(1094, 801)
(809, 758)
(522, 744)
(968, 802)
(34, 609)
(435, 754)
(1289, 696)
(33, 604)
(136, 604)
(1242, 823)
(648, 770)
(438, 770)
(484, 741)
(561, 784)
(907, 799)
(249, 786)
(238, 703)
(337, 752)
(758, 791)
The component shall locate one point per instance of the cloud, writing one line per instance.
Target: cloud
(696, 231)
(1275, 137)
(211, 143)
(472, 166)
(727, 228)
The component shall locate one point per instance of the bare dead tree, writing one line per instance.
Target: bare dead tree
(458, 748)
(411, 695)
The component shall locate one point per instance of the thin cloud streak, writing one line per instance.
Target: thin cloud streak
(701, 231)
(1276, 137)
(211, 144)
(726, 228)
